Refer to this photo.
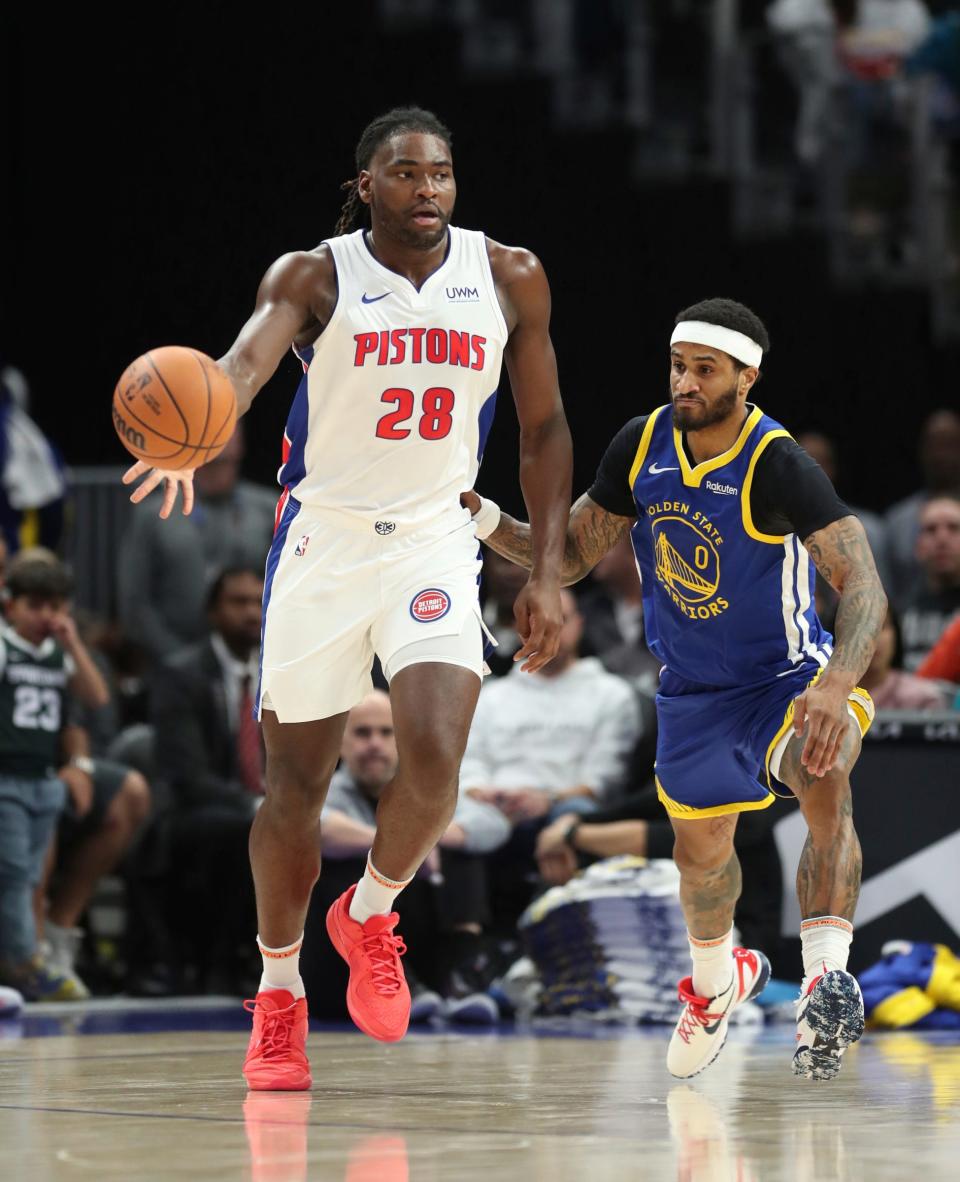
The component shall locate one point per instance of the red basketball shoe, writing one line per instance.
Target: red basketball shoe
(276, 1057)
(377, 997)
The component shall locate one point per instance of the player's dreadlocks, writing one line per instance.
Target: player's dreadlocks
(400, 119)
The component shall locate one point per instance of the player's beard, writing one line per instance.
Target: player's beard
(696, 419)
(402, 230)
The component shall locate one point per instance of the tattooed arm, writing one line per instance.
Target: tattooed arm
(842, 555)
(591, 532)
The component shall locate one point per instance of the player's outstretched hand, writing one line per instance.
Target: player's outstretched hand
(539, 619)
(182, 478)
(822, 708)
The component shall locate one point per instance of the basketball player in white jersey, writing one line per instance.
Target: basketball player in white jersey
(401, 330)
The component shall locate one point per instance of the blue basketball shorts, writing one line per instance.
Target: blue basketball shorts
(715, 747)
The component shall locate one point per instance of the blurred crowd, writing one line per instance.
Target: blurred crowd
(131, 765)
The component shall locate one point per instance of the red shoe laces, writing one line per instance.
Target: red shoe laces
(696, 1014)
(383, 950)
(277, 1030)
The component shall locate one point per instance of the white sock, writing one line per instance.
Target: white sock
(825, 942)
(712, 964)
(281, 967)
(375, 894)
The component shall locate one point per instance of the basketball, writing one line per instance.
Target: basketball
(174, 408)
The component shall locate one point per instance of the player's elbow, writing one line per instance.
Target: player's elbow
(548, 431)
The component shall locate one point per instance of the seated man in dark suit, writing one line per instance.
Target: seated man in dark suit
(209, 753)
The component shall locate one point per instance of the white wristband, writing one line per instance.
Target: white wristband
(486, 519)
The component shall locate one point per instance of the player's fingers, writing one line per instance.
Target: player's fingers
(188, 497)
(522, 653)
(811, 744)
(169, 498)
(146, 487)
(832, 753)
(551, 640)
(537, 655)
(531, 634)
(820, 734)
(134, 471)
(521, 617)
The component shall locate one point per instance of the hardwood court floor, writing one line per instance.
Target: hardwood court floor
(497, 1107)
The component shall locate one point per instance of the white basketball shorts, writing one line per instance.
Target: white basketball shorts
(339, 589)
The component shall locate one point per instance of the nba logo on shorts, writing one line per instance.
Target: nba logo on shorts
(301, 547)
(427, 606)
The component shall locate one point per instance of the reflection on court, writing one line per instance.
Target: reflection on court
(461, 1106)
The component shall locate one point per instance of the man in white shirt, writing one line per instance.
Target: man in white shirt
(556, 741)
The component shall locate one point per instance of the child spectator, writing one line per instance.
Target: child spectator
(42, 659)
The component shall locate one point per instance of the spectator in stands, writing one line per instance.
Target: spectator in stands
(107, 803)
(934, 604)
(890, 686)
(557, 740)
(33, 486)
(942, 663)
(612, 610)
(447, 905)
(940, 464)
(42, 660)
(805, 33)
(612, 605)
(882, 34)
(209, 753)
(166, 567)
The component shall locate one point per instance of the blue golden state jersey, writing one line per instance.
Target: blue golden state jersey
(724, 604)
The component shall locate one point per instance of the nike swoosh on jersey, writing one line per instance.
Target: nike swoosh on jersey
(373, 299)
(655, 471)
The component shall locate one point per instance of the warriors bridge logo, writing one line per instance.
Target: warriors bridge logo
(687, 559)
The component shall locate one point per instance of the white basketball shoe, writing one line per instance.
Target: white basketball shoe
(702, 1029)
(829, 1019)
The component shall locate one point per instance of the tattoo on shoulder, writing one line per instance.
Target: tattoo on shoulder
(841, 552)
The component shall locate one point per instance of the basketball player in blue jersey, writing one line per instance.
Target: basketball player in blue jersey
(729, 520)
(401, 330)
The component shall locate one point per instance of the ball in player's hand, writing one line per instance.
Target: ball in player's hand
(174, 408)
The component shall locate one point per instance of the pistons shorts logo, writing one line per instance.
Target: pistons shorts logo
(427, 606)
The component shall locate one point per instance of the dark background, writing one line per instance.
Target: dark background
(156, 163)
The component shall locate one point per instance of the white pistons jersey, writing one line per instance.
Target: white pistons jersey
(398, 394)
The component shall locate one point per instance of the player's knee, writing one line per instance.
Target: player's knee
(701, 857)
(433, 761)
(296, 792)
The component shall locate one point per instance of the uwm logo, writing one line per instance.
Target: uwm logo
(463, 295)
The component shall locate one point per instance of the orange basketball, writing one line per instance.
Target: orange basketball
(174, 408)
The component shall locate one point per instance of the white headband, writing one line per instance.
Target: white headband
(737, 344)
